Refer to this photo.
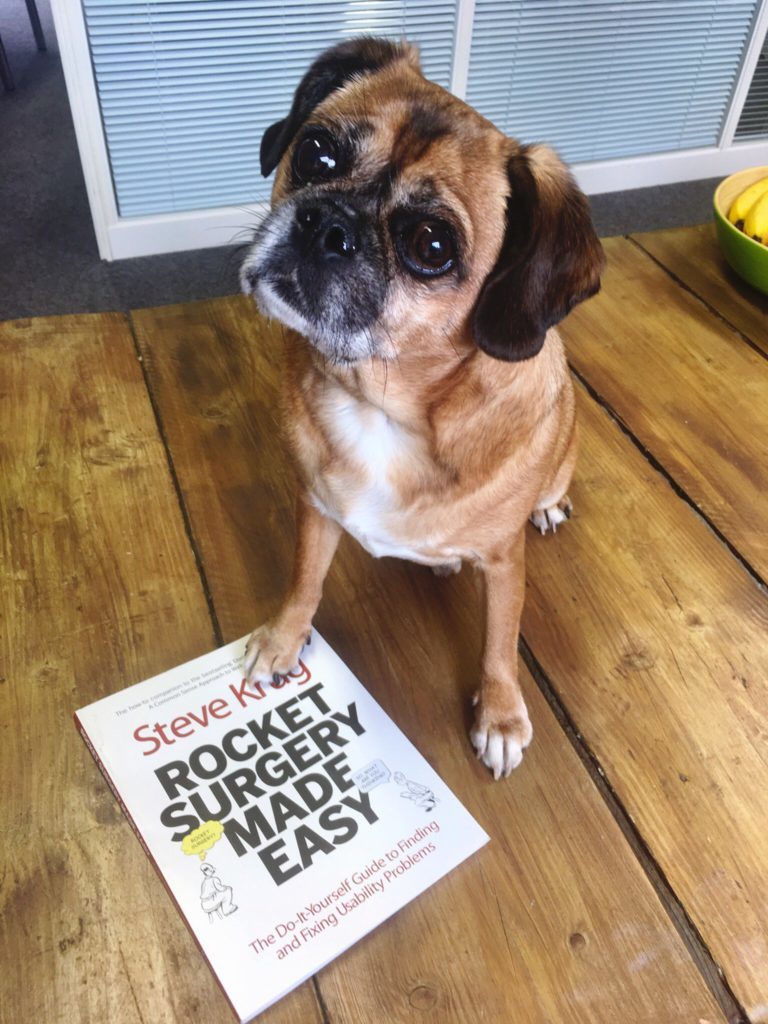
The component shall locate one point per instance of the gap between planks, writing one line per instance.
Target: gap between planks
(218, 636)
(710, 970)
(660, 468)
(320, 1000)
(713, 310)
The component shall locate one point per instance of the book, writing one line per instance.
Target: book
(286, 821)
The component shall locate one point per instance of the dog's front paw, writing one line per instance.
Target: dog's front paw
(500, 737)
(273, 650)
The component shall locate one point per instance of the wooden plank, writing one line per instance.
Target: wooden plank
(686, 385)
(100, 589)
(694, 257)
(554, 920)
(655, 637)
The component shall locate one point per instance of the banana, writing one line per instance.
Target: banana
(756, 221)
(742, 204)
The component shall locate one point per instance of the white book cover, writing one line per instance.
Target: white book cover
(287, 821)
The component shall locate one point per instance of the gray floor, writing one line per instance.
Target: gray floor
(49, 261)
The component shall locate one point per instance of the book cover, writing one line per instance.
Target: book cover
(287, 821)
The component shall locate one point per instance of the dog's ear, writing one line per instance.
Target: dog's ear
(330, 71)
(550, 258)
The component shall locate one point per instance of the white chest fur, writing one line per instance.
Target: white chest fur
(366, 498)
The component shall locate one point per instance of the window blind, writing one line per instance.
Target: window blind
(600, 79)
(753, 123)
(187, 87)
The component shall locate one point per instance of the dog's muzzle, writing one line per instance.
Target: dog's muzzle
(318, 265)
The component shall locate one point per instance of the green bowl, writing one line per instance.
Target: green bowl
(747, 257)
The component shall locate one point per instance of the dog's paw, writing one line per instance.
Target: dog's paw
(545, 519)
(273, 650)
(447, 568)
(500, 739)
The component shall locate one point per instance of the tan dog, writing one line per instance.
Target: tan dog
(420, 258)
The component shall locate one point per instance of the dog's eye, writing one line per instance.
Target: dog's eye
(316, 158)
(428, 248)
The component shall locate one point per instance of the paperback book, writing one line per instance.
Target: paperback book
(286, 821)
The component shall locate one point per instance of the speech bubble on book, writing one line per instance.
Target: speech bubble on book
(201, 839)
(371, 776)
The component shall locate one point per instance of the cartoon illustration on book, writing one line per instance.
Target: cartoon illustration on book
(215, 897)
(422, 796)
(376, 773)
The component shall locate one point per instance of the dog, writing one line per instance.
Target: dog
(420, 259)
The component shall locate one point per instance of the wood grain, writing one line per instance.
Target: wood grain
(655, 639)
(686, 385)
(554, 920)
(694, 257)
(100, 590)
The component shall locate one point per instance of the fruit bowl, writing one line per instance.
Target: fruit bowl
(747, 257)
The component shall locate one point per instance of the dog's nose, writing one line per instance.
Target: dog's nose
(331, 232)
(339, 239)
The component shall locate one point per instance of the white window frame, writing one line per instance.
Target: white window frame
(122, 237)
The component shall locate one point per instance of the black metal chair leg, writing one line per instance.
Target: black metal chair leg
(37, 28)
(5, 70)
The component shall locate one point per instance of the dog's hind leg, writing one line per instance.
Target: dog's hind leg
(553, 506)
(550, 517)
(447, 568)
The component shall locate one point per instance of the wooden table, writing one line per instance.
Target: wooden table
(147, 517)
